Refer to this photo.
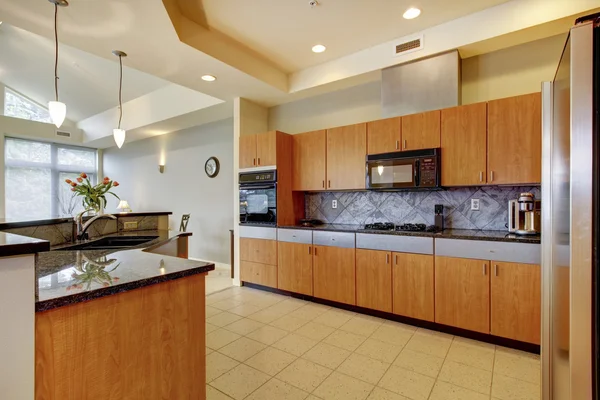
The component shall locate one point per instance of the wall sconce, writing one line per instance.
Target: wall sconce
(161, 168)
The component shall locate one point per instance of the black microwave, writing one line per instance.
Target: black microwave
(415, 169)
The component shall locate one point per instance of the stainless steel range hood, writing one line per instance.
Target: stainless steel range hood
(428, 84)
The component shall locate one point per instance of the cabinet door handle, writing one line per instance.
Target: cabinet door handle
(496, 270)
(309, 250)
(315, 250)
(485, 269)
(387, 258)
(323, 184)
(254, 161)
(491, 176)
(329, 183)
(397, 145)
(404, 144)
(396, 259)
(480, 176)
(258, 160)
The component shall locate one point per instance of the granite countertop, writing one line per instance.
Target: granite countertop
(469, 234)
(66, 276)
(16, 245)
(12, 223)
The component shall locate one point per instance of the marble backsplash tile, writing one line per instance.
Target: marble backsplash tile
(418, 207)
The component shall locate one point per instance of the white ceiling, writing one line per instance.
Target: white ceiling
(284, 31)
(88, 84)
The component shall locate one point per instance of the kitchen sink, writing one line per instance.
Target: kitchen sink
(111, 243)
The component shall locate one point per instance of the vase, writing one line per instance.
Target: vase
(99, 207)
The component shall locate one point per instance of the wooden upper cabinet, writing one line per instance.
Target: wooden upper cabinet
(309, 161)
(516, 301)
(383, 136)
(374, 279)
(464, 139)
(462, 293)
(346, 151)
(515, 140)
(421, 131)
(266, 149)
(412, 278)
(334, 275)
(248, 151)
(295, 267)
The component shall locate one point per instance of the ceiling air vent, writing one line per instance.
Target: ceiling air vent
(408, 46)
(63, 134)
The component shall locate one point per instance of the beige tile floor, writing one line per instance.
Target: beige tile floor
(265, 346)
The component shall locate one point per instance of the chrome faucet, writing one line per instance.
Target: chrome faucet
(81, 228)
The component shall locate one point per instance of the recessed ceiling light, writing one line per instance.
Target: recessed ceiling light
(411, 13)
(319, 48)
(209, 78)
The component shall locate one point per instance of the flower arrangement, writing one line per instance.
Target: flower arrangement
(94, 197)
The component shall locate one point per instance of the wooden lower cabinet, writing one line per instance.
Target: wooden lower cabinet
(374, 279)
(261, 274)
(334, 275)
(261, 251)
(413, 289)
(516, 301)
(462, 293)
(295, 267)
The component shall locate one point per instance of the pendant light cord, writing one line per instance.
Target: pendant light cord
(120, 90)
(56, 51)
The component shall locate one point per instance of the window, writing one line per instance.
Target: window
(18, 106)
(35, 174)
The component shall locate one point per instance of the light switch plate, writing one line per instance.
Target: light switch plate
(333, 203)
(130, 225)
(475, 204)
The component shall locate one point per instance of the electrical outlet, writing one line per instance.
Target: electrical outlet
(130, 225)
(475, 204)
(333, 203)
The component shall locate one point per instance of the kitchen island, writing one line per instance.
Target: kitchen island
(121, 324)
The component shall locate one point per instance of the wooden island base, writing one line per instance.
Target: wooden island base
(147, 343)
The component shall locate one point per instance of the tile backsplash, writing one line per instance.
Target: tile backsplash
(418, 207)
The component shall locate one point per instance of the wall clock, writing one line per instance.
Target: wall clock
(212, 167)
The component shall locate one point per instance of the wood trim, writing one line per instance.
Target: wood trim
(147, 343)
(288, 205)
(260, 251)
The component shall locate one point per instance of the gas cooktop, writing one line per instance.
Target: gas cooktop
(388, 226)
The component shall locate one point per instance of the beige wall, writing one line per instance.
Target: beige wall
(512, 71)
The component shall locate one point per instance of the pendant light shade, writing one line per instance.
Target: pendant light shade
(58, 112)
(118, 133)
(56, 109)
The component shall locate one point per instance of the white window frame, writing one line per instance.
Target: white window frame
(26, 99)
(55, 168)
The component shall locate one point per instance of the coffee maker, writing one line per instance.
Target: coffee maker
(524, 215)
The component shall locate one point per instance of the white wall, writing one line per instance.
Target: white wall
(183, 187)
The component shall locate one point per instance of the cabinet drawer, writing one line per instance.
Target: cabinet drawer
(525, 253)
(400, 244)
(295, 236)
(258, 232)
(261, 274)
(335, 239)
(258, 251)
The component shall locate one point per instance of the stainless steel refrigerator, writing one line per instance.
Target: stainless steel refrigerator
(570, 218)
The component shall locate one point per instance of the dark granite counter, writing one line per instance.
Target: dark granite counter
(468, 234)
(66, 276)
(9, 223)
(16, 245)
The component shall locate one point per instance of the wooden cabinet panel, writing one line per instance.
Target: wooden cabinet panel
(309, 160)
(464, 145)
(421, 131)
(412, 277)
(247, 151)
(334, 274)
(266, 149)
(383, 136)
(258, 250)
(261, 274)
(516, 301)
(462, 293)
(515, 140)
(346, 151)
(374, 279)
(295, 267)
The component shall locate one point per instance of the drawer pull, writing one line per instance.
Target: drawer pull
(315, 251)
(404, 144)
(496, 270)
(396, 259)
(485, 269)
(397, 145)
(387, 258)
(309, 250)
(254, 161)
(480, 176)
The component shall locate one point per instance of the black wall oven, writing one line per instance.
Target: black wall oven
(258, 198)
(416, 169)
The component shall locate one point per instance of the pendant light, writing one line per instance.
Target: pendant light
(56, 109)
(118, 133)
